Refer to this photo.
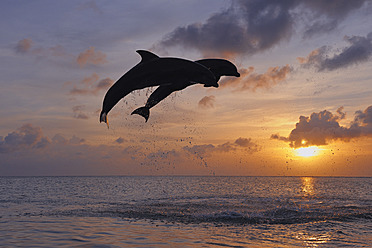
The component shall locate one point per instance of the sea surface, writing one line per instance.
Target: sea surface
(180, 211)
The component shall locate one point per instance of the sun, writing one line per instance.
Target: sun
(309, 151)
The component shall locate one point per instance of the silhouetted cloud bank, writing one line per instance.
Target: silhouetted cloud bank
(323, 127)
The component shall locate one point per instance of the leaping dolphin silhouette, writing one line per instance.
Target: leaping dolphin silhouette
(153, 70)
(219, 67)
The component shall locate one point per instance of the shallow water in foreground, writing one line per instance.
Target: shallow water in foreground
(185, 212)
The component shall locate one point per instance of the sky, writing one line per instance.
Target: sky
(302, 106)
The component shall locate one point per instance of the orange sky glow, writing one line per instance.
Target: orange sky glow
(302, 106)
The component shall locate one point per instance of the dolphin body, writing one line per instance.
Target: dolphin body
(219, 67)
(153, 71)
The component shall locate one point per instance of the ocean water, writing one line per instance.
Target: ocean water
(180, 211)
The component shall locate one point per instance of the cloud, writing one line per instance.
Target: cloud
(199, 149)
(323, 127)
(25, 137)
(26, 46)
(325, 16)
(363, 121)
(249, 80)
(91, 57)
(29, 137)
(91, 86)
(90, 5)
(88, 57)
(120, 140)
(76, 140)
(207, 102)
(358, 51)
(253, 26)
(104, 84)
(245, 144)
(23, 46)
(161, 155)
(78, 112)
(27, 151)
(245, 27)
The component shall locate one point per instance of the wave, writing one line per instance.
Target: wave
(197, 213)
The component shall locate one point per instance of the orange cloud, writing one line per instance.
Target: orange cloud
(91, 57)
(24, 45)
(207, 102)
(91, 86)
(252, 81)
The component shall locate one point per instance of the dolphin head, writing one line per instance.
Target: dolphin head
(228, 71)
(103, 118)
(220, 67)
(226, 68)
(112, 97)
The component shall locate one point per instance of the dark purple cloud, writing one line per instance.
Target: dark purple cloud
(120, 140)
(323, 127)
(253, 26)
(358, 51)
(325, 16)
(25, 137)
(29, 137)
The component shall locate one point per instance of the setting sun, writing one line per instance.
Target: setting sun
(307, 151)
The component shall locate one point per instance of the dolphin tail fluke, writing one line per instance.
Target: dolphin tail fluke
(142, 111)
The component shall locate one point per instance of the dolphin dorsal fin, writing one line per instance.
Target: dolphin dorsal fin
(146, 55)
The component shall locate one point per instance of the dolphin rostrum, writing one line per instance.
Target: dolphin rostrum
(219, 67)
(153, 70)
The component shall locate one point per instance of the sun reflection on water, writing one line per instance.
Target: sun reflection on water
(307, 186)
(313, 240)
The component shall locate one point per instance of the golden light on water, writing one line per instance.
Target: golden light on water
(309, 151)
(307, 185)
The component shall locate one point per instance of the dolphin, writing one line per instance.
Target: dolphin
(153, 70)
(219, 67)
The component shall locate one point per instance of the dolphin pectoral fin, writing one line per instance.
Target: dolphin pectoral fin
(146, 55)
(142, 111)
